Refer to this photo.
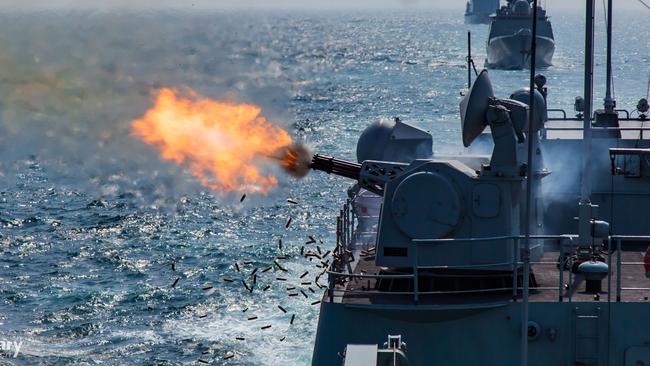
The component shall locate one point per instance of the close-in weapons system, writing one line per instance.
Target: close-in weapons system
(445, 198)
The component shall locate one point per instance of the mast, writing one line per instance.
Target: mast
(585, 190)
(469, 59)
(610, 104)
(529, 191)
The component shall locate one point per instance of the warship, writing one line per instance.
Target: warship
(509, 39)
(479, 11)
(529, 248)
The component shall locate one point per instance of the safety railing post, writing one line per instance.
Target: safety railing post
(570, 284)
(609, 267)
(342, 216)
(415, 272)
(561, 269)
(515, 262)
(618, 270)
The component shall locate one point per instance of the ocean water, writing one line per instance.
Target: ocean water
(107, 249)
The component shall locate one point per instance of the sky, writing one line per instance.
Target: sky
(298, 4)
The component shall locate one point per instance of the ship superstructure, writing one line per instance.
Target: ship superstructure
(479, 11)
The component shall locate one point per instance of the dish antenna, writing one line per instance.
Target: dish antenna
(474, 106)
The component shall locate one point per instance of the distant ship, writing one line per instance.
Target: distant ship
(508, 45)
(479, 11)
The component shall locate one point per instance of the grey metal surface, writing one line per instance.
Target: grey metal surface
(393, 140)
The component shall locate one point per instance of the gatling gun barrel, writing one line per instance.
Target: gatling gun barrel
(332, 165)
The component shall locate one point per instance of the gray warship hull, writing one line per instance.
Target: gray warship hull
(509, 39)
(491, 335)
(513, 52)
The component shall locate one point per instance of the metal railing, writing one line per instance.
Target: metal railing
(335, 273)
(514, 264)
(581, 118)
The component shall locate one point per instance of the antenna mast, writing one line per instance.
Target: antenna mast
(610, 103)
(529, 191)
(585, 191)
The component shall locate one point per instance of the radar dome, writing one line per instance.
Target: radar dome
(394, 140)
(521, 8)
(540, 114)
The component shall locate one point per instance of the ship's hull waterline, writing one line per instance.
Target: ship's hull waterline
(513, 52)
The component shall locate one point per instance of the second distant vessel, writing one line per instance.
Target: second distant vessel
(479, 11)
(508, 45)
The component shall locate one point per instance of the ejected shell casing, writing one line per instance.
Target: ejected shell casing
(279, 266)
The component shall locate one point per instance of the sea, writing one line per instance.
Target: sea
(112, 255)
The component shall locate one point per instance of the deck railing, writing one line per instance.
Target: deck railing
(580, 118)
(345, 233)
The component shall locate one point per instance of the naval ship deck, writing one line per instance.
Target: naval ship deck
(357, 280)
(363, 290)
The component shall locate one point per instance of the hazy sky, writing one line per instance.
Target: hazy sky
(448, 4)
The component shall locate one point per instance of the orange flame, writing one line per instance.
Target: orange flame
(225, 145)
